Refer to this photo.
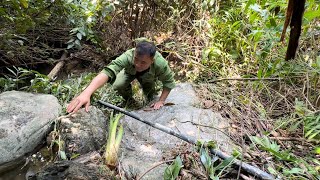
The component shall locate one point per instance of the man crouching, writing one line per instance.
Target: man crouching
(143, 63)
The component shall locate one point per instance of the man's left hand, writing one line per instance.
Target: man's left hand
(157, 105)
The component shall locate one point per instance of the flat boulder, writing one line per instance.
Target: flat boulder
(144, 146)
(25, 120)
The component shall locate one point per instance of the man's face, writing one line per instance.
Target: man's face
(142, 63)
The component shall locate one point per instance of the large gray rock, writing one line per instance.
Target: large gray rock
(84, 132)
(25, 119)
(144, 146)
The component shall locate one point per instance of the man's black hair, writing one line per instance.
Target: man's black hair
(145, 48)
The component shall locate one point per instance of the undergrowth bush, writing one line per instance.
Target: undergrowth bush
(64, 90)
(278, 108)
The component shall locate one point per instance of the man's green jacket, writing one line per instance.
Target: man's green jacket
(159, 69)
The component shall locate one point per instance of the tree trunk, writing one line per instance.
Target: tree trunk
(295, 25)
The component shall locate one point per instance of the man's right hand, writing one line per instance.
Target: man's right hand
(78, 102)
(84, 97)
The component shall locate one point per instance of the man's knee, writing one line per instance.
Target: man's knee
(119, 86)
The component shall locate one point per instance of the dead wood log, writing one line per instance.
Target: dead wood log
(54, 72)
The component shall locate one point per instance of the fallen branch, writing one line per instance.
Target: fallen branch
(295, 139)
(288, 138)
(245, 79)
(250, 169)
(53, 73)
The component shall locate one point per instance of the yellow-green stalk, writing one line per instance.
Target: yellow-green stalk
(114, 139)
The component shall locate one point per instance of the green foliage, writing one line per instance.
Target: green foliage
(306, 119)
(214, 171)
(208, 144)
(312, 127)
(244, 43)
(273, 148)
(21, 16)
(300, 167)
(83, 16)
(64, 90)
(14, 80)
(243, 37)
(172, 171)
(312, 11)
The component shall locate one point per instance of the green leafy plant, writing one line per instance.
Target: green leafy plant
(85, 15)
(64, 90)
(266, 144)
(300, 168)
(214, 171)
(172, 171)
(17, 78)
(312, 127)
(114, 140)
(305, 118)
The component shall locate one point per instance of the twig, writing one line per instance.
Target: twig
(246, 177)
(245, 79)
(296, 139)
(288, 138)
(154, 166)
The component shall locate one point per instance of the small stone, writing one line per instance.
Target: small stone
(208, 104)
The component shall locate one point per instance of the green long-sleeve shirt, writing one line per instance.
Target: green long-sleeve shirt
(159, 69)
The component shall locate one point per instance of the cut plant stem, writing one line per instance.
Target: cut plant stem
(114, 139)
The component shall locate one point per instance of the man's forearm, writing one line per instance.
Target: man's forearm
(96, 83)
(164, 94)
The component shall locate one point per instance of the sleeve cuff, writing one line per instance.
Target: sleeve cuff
(110, 74)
